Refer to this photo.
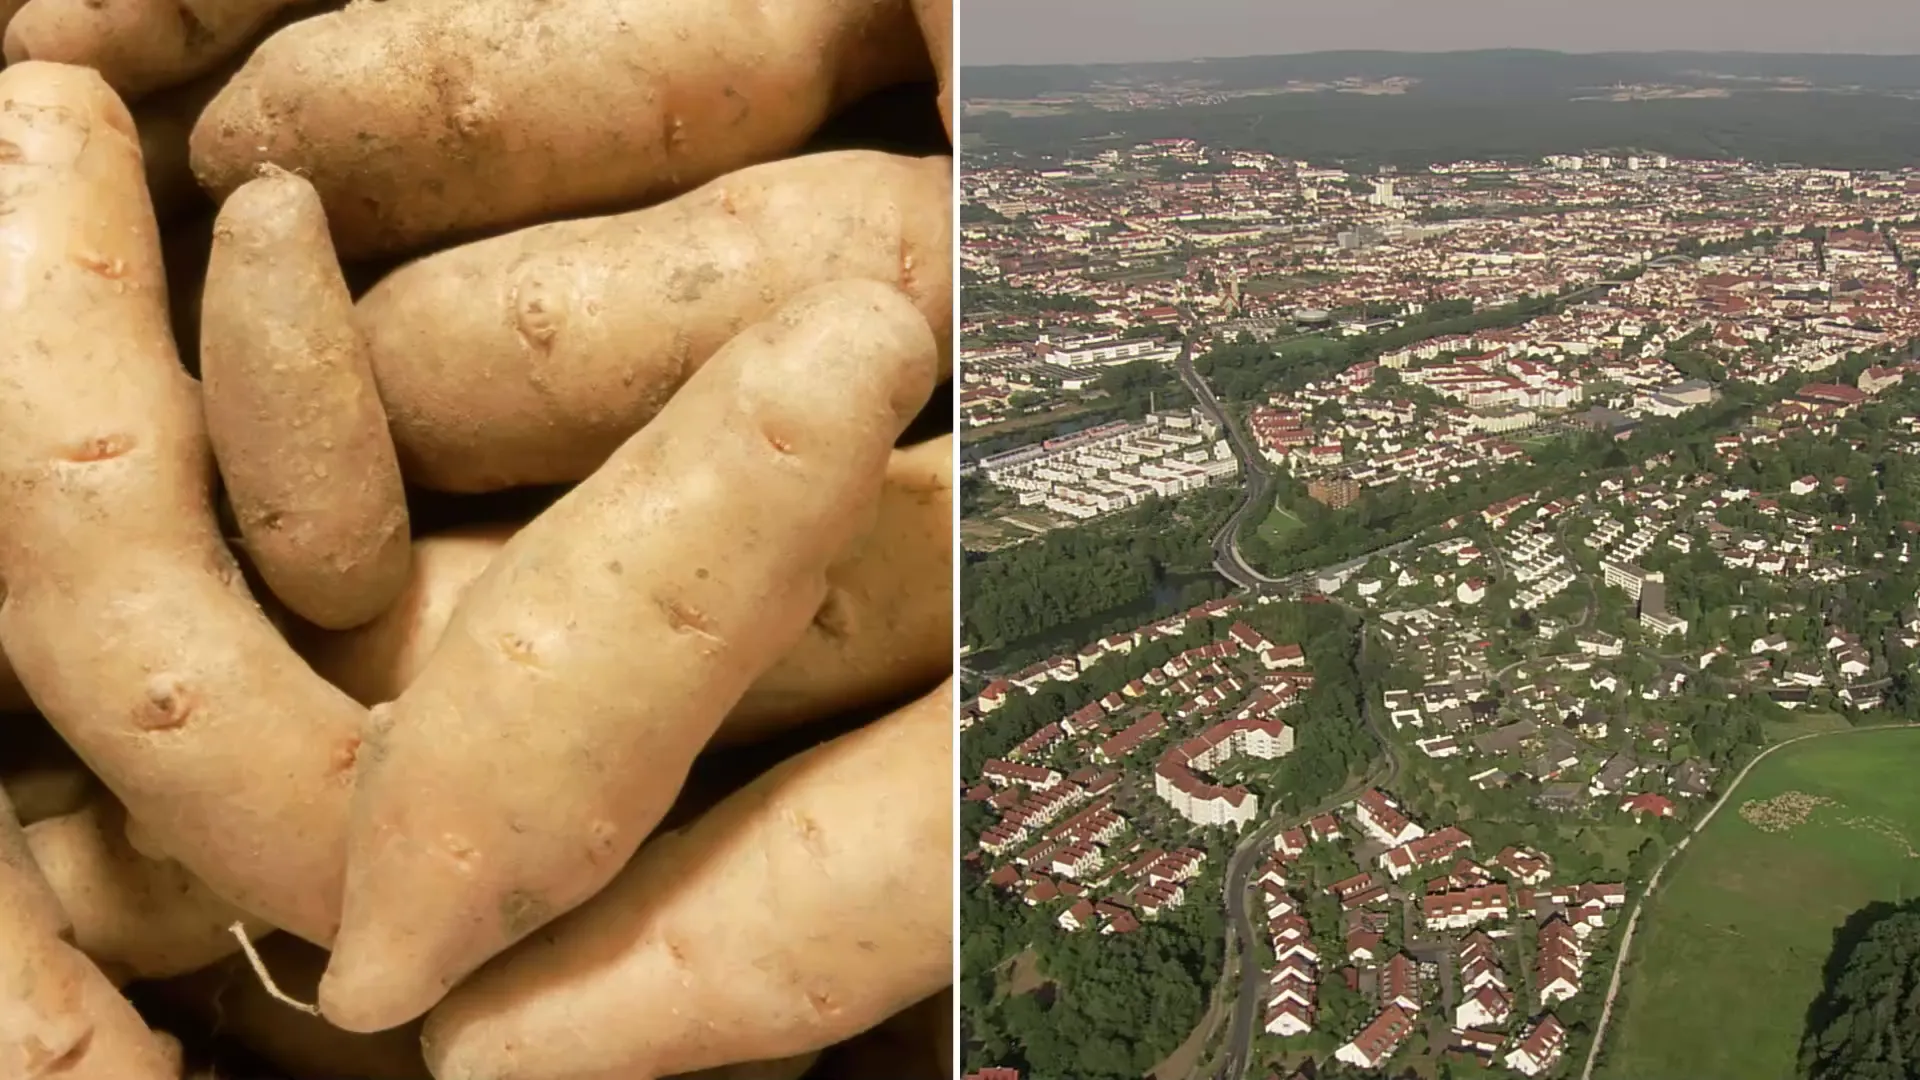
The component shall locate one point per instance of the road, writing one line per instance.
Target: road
(1251, 995)
(1653, 883)
(1258, 474)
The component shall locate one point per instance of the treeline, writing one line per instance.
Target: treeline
(1074, 574)
(1849, 131)
(984, 299)
(1244, 369)
(1864, 1025)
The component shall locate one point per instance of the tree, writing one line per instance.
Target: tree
(1866, 1023)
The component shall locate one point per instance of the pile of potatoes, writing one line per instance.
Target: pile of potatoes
(476, 531)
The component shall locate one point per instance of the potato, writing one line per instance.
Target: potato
(139, 46)
(807, 907)
(165, 122)
(529, 358)
(126, 617)
(936, 25)
(887, 625)
(59, 1016)
(293, 413)
(137, 917)
(13, 696)
(419, 120)
(40, 792)
(40, 773)
(230, 999)
(607, 641)
(375, 662)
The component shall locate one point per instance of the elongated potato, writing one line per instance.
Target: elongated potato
(886, 627)
(139, 46)
(423, 119)
(293, 413)
(60, 1018)
(126, 617)
(607, 641)
(529, 358)
(807, 907)
(936, 26)
(136, 917)
(378, 660)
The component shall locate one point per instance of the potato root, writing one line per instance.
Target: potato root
(809, 906)
(136, 917)
(420, 120)
(126, 617)
(885, 628)
(936, 26)
(607, 641)
(60, 1017)
(292, 411)
(529, 358)
(138, 46)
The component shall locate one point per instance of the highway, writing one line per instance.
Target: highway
(1258, 474)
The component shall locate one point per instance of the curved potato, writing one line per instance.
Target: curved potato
(59, 1016)
(529, 358)
(138, 918)
(420, 120)
(608, 640)
(838, 872)
(886, 627)
(138, 46)
(292, 411)
(126, 617)
(936, 26)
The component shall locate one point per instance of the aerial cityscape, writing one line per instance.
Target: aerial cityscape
(1388, 581)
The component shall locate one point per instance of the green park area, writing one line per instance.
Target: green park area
(1731, 950)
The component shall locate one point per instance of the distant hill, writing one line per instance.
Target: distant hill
(1843, 111)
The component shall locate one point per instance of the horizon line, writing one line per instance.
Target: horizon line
(1437, 52)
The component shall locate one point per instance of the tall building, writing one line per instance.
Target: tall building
(1334, 491)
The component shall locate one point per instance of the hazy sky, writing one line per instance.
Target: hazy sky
(1091, 31)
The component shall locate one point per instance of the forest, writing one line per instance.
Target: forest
(1865, 1025)
(1074, 574)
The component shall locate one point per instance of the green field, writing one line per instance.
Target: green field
(1279, 525)
(1729, 954)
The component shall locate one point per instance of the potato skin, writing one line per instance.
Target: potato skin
(138, 46)
(59, 1016)
(936, 26)
(809, 906)
(429, 119)
(137, 917)
(126, 617)
(293, 413)
(886, 627)
(529, 358)
(376, 661)
(608, 640)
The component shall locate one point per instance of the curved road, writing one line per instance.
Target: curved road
(1251, 995)
(1653, 882)
(1259, 476)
